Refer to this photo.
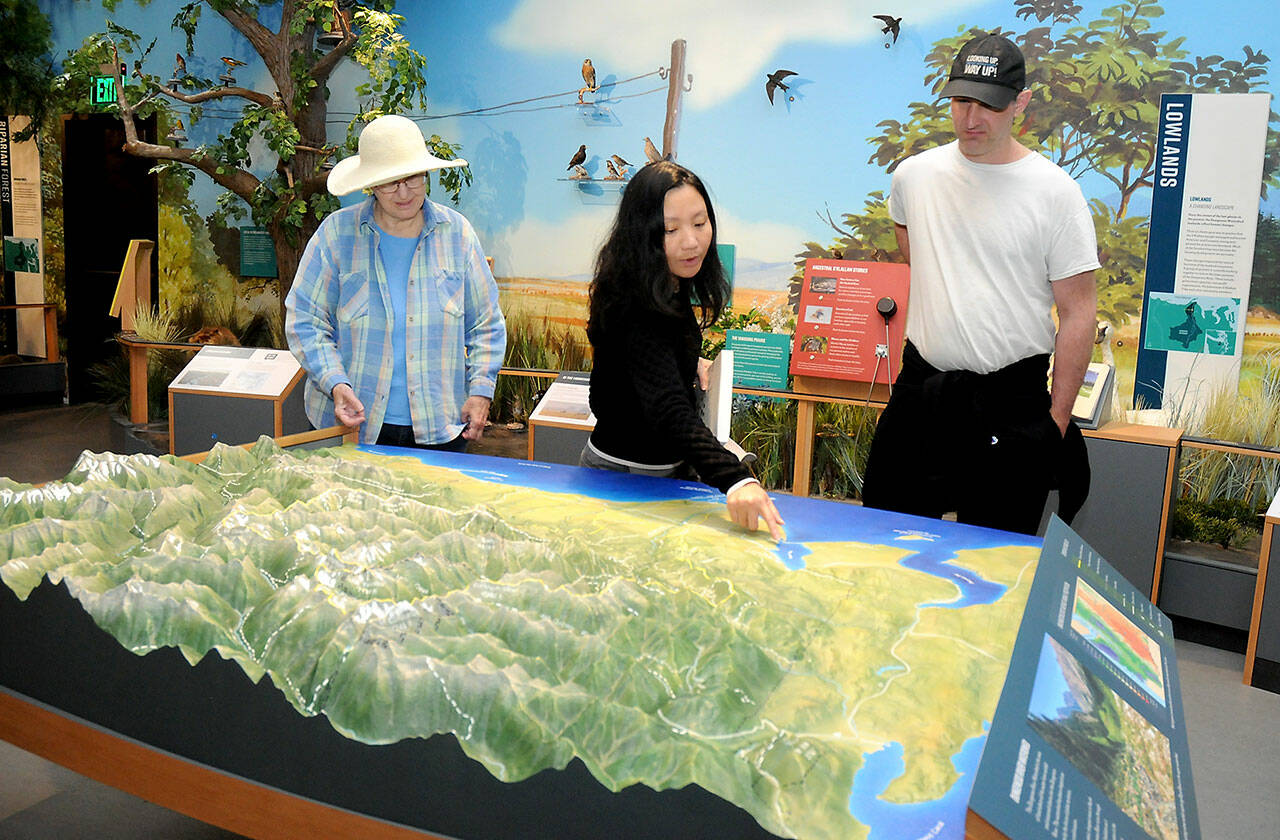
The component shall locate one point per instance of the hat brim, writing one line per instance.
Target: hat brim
(349, 175)
(995, 96)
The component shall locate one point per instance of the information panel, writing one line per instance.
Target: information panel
(1088, 739)
(259, 372)
(840, 332)
(1204, 216)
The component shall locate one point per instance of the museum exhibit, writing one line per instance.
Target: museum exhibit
(538, 421)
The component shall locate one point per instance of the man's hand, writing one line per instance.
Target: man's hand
(750, 503)
(475, 411)
(348, 410)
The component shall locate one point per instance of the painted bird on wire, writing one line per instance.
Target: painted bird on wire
(775, 81)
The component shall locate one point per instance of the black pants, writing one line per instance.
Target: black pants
(392, 435)
(982, 445)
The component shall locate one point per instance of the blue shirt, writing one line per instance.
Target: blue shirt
(396, 253)
(339, 318)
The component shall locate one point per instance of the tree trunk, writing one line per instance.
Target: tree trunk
(289, 254)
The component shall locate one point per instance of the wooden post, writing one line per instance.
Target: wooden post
(675, 93)
(50, 332)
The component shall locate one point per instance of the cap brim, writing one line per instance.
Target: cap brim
(348, 175)
(995, 96)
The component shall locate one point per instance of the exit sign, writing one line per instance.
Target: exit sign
(102, 90)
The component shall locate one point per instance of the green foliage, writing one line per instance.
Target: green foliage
(1264, 289)
(1225, 522)
(26, 63)
(534, 344)
(1250, 417)
(842, 442)
(713, 338)
(766, 426)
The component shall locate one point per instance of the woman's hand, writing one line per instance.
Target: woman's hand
(704, 373)
(750, 503)
(347, 408)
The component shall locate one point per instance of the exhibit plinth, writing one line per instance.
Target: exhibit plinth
(234, 395)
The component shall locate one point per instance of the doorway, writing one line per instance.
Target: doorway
(109, 197)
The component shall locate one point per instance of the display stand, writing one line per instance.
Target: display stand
(1262, 656)
(1126, 526)
(235, 395)
(561, 422)
(1088, 739)
(134, 286)
(848, 341)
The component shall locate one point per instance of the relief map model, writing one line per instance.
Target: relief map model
(838, 685)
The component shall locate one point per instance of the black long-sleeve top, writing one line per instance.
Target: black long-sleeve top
(644, 394)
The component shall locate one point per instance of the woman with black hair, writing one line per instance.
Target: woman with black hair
(659, 258)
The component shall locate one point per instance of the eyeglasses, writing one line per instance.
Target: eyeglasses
(413, 183)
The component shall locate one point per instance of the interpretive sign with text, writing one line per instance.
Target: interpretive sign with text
(1204, 216)
(840, 332)
(1088, 738)
(259, 372)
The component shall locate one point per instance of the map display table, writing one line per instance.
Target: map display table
(487, 648)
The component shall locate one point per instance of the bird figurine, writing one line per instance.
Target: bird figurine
(179, 66)
(651, 151)
(622, 164)
(891, 26)
(588, 76)
(775, 81)
(578, 157)
(579, 173)
(613, 171)
(232, 63)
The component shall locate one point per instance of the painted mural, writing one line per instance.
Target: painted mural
(794, 115)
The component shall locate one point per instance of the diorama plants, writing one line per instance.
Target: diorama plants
(535, 343)
(1224, 493)
(174, 326)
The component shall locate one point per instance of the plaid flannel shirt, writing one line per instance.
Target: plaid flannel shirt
(338, 321)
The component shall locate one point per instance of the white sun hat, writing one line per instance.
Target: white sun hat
(391, 148)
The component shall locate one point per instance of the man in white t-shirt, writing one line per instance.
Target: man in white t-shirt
(996, 236)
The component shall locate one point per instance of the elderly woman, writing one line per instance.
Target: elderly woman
(394, 312)
(659, 258)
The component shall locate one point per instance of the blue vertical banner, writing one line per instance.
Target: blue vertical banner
(1164, 236)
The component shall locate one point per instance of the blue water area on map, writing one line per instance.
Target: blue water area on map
(939, 818)
(934, 543)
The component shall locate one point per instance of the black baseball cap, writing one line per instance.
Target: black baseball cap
(989, 69)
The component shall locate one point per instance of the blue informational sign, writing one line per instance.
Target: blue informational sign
(1088, 739)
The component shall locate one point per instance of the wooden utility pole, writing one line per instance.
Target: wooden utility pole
(675, 93)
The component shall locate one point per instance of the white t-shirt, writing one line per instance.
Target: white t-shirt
(987, 241)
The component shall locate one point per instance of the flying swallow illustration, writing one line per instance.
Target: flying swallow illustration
(578, 157)
(651, 151)
(579, 174)
(588, 74)
(775, 81)
(891, 25)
